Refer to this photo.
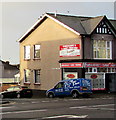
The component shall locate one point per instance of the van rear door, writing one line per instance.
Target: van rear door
(86, 85)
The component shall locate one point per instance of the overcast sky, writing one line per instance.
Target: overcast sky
(18, 17)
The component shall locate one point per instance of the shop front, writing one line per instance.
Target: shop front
(95, 71)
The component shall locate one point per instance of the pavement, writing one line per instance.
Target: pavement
(95, 95)
(103, 95)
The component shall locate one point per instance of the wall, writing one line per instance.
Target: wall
(1, 69)
(50, 36)
(87, 47)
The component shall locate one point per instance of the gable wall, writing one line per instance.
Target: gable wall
(50, 35)
(1, 69)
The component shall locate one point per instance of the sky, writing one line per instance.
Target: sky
(16, 17)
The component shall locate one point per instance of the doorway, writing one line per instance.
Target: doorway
(110, 79)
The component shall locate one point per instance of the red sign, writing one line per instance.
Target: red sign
(99, 65)
(94, 76)
(70, 50)
(66, 65)
(98, 88)
(70, 75)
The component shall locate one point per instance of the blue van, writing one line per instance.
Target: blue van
(71, 87)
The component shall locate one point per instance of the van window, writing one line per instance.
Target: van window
(59, 85)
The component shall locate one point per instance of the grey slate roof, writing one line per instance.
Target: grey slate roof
(71, 21)
(113, 22)
(91, 24)
(83, 25)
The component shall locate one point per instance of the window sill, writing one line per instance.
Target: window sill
(36, 58)
(37, 83)
(27, 83)
(27, 59)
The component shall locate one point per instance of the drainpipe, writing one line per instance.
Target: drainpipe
(83, 47)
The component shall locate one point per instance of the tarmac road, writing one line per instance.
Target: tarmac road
(59, 108)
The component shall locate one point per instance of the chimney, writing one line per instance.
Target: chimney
(55, 13)
(7, 62)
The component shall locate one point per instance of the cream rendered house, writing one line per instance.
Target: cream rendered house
(61, 46)
(39, 52)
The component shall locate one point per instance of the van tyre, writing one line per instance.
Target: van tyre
(50, 95)
(75, 94)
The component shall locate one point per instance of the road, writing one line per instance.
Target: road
(58, 108)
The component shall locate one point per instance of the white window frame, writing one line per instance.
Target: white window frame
(27, 78)
(94, 70)
(107, 48)
(38, 81)
(27, 52)
(35, 49)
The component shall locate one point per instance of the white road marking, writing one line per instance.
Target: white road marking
(45, 101)
(93, 107)
(43, 110)
(66, 116)
(88, 99)
(101, 108)
(55, 100)
(81, 116)
(34, 102)
(7, 107)
(78, 107)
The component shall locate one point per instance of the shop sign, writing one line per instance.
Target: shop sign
(97, 80)
(100, 65)
(94, 76)
(70, 75)
(69, 65)
(70, 50)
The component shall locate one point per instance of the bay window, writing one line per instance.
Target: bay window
(102, 49)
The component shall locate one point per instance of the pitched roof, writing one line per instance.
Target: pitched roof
(91, 24)
(73, 22)
(113, 22)
(7, 65)
(77, 24)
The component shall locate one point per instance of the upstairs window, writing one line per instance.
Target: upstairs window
(102, 49)
(36, 51)
(27, 52)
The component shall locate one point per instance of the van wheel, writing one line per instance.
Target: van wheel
(50, 95)
(75, 94)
